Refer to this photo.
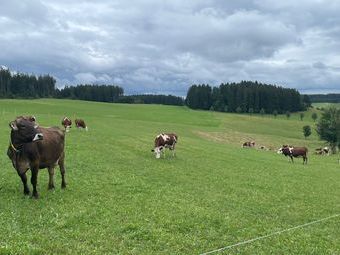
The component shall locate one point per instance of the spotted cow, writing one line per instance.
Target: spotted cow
(163, 141)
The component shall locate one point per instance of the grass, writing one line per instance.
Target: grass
(121, 200)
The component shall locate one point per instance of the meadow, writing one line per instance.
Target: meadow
(121, 200)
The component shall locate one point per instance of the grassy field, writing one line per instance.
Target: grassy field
(325, 105)
(121, 200)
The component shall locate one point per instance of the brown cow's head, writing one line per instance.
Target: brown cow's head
(24, 130)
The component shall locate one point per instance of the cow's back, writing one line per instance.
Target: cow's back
(51, 148)
(299, 151)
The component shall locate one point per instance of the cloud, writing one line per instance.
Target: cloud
(165, 46)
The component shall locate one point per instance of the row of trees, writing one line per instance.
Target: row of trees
(246, 97)
(21, 85)
(99, 93)
(25, 85)
(321, 98)
(152, 99)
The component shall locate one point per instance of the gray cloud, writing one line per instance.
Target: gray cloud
(165, 46)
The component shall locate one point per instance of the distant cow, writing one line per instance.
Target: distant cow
(322, 151)
(33, 147)
(294, 152)
(163, 141)
(67, 123)
(250, 144)
(80, 123)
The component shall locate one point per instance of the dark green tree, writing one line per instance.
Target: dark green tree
(314, 116)
(307, 131)
(328, 127)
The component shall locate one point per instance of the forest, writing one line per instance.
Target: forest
(243, 97)
(21, 85)
(246, 97)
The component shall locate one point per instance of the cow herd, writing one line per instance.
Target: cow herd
(67, 123)
(291, 151)
(34, 147)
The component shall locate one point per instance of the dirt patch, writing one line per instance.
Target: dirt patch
(238, 138)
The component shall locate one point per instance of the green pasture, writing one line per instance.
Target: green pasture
(121, 200)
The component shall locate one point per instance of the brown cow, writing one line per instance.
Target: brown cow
(294, 152)
(250, 144)
(80, 123)
(33, 147)
(163, 141)
(67, 123)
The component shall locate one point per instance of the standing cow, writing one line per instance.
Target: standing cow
(250, 144)
(294, 152)
(80, 123)
(33, 147)
(67, 123)
(163, 141)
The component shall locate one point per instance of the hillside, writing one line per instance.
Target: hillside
(121, 200)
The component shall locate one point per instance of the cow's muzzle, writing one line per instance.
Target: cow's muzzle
(38, 136)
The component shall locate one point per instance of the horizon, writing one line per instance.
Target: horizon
(148, 47)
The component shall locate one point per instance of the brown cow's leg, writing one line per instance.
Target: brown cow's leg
(24, 182)
(34, 181)
(62, 171)
(291, 157)
(51, 178)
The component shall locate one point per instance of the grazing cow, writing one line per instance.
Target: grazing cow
(67, 123)
(163, 141)
(80, 123)
(250, 144)
(33, 147)
(294, 152)
(322, 151)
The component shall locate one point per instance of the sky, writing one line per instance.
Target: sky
(164, 46)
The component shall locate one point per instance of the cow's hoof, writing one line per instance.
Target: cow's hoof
(35, 195)
(51, 187)
(63, 185)
(26, 192)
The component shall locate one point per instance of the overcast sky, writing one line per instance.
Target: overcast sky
(165, 46)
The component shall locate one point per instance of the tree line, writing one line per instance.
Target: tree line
(246, 97)
(20, 85)
(151, 99)
(328, 98)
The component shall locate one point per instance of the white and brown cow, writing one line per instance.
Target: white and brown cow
(250, 144)
(322, 151)
(163, 141)
(295, 152)
(67, 123)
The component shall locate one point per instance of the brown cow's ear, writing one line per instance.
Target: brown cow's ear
(13, 125)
